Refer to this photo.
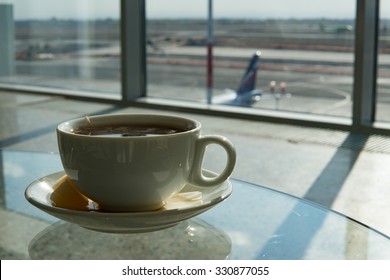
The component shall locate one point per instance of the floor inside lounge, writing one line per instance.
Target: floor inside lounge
(343, 171)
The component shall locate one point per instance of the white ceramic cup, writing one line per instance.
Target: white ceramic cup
(137, 173)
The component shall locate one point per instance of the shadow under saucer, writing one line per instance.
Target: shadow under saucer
(190, 240)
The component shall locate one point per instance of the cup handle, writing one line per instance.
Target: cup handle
(196, 176)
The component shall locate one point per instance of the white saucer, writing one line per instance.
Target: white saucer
(39, 192)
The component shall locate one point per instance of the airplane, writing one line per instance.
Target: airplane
(246, 94)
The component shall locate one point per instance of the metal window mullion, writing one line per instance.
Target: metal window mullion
(7, 34)
(364, 92)
(133, 56)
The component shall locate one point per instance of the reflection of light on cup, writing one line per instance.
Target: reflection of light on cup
(191, 239)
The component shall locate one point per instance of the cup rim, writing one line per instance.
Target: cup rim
(66, 126)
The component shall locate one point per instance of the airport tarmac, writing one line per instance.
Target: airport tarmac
(330, 57)
(319, 82)
(177, 74)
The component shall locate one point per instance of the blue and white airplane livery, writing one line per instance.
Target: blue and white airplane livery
(246, 94)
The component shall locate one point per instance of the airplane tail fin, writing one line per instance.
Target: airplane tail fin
(248, 81)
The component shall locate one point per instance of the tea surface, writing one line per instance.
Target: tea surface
(125, 131)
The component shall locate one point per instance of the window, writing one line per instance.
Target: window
(73, 46)
(317, 64)
(306, 64)
(176, 49)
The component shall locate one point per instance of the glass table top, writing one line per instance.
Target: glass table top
(253, 223)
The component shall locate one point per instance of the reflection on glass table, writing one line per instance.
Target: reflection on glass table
(254, 222)
(191, 239)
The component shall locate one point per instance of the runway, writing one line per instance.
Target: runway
(319, 82)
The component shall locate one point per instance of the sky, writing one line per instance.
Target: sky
(257, 9)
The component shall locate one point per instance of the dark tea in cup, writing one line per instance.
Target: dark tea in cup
(125, 130)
